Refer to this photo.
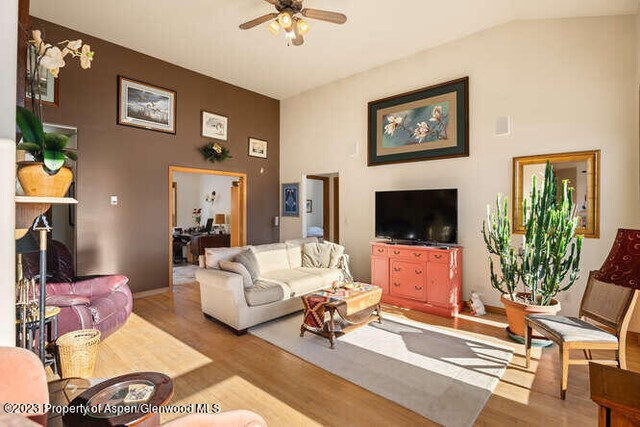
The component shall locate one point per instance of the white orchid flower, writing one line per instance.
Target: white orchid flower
(421, 131)
(86, 56)
(53, 60)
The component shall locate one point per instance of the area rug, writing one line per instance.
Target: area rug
(444, 376)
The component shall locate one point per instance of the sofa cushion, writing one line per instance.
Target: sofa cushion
(249, 261)
(214, 255)
(238, 268)
(272, 257)
(264, 292)
(294, 250)
(299, 282)
(326, 275)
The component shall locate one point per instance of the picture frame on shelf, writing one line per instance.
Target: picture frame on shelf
(215, 126)
(425, 124)
(290, 199)
(146, 106)
(258, 148)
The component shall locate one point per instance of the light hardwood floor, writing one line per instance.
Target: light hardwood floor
(167, 333)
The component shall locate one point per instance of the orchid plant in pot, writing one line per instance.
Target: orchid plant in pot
(548, 261)
(46, 175)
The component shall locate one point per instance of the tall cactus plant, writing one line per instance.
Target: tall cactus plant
(550, 251)
(497, 237)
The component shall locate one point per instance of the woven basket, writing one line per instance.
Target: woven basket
(77, 352)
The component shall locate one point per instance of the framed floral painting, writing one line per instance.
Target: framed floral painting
(426, 124)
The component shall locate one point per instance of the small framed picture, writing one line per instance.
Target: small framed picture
(46, 88)
(309, 206)
(257, 148)
(146, 106)
(290, 200)
(214, 126)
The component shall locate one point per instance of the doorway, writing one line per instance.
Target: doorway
(207, 209)
(322, 207)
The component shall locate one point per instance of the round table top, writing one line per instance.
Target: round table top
(49, 311)
(124, 394)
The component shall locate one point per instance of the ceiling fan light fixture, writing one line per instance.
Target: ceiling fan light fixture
(274, 28)
(303, 27)
(285, 20)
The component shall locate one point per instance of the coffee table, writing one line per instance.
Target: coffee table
(118, 393)
(356, 304)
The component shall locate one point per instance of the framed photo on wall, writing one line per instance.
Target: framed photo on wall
(215, 126)
(290, 199)
(146, 106)
(47, 86)
(309, 206)
(426, 124)
(257, 148)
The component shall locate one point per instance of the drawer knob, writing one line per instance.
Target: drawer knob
(418, 288)
(396, 269)
(437, 256)
(418, 271)
(417, 254)
(396, 284)
(380, 250)
(397, 252)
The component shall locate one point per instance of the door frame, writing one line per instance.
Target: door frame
(326, 213)
(184, 169)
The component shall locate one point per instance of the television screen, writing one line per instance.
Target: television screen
(417, 215)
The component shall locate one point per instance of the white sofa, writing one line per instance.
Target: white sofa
(282, 281)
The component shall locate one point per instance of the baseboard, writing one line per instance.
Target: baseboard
(494, 310)
(152, 292)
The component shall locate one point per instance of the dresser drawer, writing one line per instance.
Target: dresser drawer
(379, 250)
(407, 253)
(413, 271)
(439, 256)
(408, 289)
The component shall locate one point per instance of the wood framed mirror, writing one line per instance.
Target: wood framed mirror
(581, 169)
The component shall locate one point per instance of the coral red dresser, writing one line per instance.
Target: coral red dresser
(423, 278)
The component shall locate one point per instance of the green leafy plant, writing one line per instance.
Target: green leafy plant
(49, 148)
(215, 152)
(550, 252)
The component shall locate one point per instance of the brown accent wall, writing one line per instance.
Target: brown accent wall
(132, 163)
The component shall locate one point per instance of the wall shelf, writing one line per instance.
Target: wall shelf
(29, 207)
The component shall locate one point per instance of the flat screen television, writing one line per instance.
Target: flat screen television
(417, 216)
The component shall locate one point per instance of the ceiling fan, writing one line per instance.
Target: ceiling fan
(290, 17)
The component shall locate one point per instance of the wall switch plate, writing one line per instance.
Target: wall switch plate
(114, 200)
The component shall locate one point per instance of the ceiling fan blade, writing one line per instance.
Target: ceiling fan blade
(255, 22)
(273, 2)
(325, 15)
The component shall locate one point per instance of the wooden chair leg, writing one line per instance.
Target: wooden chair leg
(621, 355)
(564, 371)
(527, 343)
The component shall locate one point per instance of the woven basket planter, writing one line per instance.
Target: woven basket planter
(77, 351)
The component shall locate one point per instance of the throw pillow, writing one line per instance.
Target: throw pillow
(236, 267)
(335, 254)
(249, 260)
(316, 255)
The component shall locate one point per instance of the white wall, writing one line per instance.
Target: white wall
(315, 193)
(8, 43)
(192, 191)
(568, 85)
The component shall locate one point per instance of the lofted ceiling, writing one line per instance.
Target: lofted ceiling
(203, 35)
